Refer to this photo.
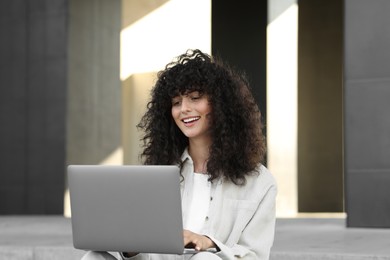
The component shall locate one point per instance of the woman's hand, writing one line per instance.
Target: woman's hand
(199, 242)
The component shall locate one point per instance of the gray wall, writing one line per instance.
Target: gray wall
(367, 106)
(33, 67)
(59, 96)
(94, 91)
(320, 158)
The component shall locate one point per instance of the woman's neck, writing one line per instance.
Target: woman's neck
(199, 152)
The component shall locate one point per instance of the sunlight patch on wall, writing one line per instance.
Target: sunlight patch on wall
(282, 45)
(154, 40)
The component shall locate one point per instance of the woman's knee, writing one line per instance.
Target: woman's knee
(93, 255)
(205, 256)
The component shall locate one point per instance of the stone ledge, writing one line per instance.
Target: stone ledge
(49, 237)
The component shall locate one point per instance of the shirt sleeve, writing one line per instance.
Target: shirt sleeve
(257, 237)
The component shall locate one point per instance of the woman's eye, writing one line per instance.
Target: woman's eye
(195, 96)
(175, 103)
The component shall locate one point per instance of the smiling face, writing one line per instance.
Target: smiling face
(191, 114)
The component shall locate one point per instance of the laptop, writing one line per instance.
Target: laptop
(127, 208)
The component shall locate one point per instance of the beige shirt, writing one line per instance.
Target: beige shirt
(241, 219)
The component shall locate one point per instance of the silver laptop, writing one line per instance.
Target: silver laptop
(126, 208)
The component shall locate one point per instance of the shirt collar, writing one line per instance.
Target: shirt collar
(185, 155)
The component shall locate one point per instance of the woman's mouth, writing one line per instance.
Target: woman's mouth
(190, 120)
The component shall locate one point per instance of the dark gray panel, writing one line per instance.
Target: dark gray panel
(36, 38)
(56, 6)
(56, 35)
(37, 7)
(368, 198)
(36, 198)
(46, 145)
(13, 119)
(367, 124)
(12, 199)
(366, 115)
(56, 86)
(12, 8)
(32, 157)
(367, 39)
(56, 78)
(43, 199)
(37, 107)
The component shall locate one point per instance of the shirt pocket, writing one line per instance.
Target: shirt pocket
(235, 215)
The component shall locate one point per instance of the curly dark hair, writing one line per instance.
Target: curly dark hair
(238, 143)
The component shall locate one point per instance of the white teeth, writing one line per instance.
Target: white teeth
(189, 120)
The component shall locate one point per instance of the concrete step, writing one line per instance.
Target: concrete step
(328, 239)
(50, 237)
(36, 237)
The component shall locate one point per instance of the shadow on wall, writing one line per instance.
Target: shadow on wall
(135, 96)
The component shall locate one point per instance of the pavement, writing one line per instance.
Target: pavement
(328, 239)
(50, 237)
(36, 237)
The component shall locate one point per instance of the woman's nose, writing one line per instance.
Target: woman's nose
(185, 106)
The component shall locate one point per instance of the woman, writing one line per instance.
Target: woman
(203, 117)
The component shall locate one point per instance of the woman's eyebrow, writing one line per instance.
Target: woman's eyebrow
(193, 91)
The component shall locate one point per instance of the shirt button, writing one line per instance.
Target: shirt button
(211, 198)
(207, 218)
